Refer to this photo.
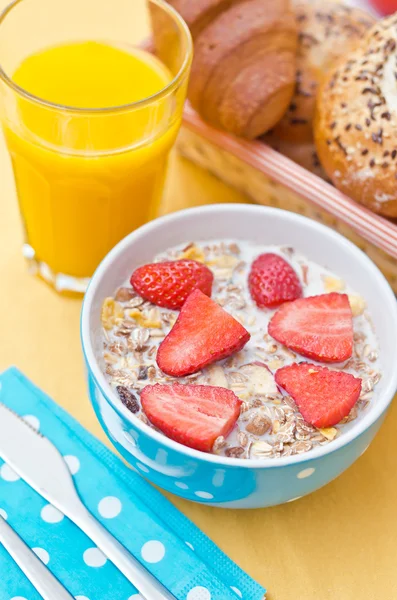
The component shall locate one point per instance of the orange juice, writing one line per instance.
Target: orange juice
(85, 179)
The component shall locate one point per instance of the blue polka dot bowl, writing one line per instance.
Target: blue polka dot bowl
(208, 478)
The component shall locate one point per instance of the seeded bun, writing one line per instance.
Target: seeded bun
(243, 71)
(326, 31)
(356, 123)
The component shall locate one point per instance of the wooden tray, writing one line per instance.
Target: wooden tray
(270, 178)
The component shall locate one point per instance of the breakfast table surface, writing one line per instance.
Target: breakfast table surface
(338, 543)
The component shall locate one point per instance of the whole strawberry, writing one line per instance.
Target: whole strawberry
(168, 284)
(273, 281)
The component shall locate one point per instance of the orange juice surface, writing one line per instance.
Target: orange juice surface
(86, 179)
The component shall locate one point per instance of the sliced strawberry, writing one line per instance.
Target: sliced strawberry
(193, 415)
(273, 281)
(324, 397)
(202, 334)
(319, 327)
(168, 284)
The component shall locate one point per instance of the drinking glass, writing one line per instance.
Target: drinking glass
(86, 176)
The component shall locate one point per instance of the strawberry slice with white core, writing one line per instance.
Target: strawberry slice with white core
(203, 334)
(324, 397)
(318, 327)
(193, 415)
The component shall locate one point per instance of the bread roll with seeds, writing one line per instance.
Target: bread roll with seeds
(326, 31)
(356, 122)
(243, 70)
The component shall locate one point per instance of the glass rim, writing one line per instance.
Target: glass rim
(170, 87)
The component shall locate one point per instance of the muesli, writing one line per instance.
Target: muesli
(289, 351)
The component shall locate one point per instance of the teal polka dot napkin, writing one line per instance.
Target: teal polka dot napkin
(178, 554)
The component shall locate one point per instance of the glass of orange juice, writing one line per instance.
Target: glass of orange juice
(91, 100)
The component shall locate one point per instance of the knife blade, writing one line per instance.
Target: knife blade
(38, 462)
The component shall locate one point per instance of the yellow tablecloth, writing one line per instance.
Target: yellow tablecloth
(337, 544)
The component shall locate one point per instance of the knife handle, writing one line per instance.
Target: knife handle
(41, 578)
(149, 587)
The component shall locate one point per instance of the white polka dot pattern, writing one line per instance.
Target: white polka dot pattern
(93, 557)
(218, 478)
(42, 554)
(204, 495)
(305, 473)
(153, 551)
(128, 437)
(109, 507)
(92, 574)
(236, 591)
(199, 593)
(50, 514)
(142, 467)
(33, 421)
(161, 457)
(73, 463)
(8, 474)
(181, 485)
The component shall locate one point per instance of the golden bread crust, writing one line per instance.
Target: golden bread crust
(356, 121)
(326, 31)
(243, 71)
(231, 70)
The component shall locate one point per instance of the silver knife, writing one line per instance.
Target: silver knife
(39, 463)
(42, 579)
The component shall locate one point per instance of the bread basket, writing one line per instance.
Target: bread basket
(271, 179)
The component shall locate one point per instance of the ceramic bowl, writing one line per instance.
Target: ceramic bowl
(216, 480)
